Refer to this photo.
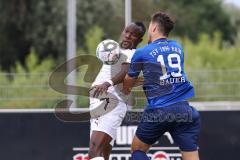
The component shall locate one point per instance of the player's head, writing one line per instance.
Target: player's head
(132, 35)
(160, 26)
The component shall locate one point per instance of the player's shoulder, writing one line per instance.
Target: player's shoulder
(126, 55)
(127, 52)
(174, 43)
(143, 52)
(143, 49)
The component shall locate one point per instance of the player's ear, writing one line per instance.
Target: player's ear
(154, 28)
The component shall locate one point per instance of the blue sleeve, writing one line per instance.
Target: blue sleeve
(136, 64)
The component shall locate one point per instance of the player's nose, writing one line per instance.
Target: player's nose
(128, 35)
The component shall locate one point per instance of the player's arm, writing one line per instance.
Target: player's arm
(118, 78)
(131, 79)
(128, 83)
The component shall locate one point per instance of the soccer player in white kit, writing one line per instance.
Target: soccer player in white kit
(103, 129)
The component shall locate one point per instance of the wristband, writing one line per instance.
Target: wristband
(110, 82)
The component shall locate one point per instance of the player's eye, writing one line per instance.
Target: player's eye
(134, 35)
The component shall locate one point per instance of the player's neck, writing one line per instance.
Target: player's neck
(154, 38)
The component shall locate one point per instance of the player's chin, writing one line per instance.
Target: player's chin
(126, 44)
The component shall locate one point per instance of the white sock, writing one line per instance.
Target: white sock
(97, 158)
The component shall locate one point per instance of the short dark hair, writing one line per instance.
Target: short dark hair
(142, 26)
(165, 23)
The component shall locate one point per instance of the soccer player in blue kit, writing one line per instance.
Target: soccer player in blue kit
(167, 90)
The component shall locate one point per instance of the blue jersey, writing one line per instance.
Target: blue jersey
(162, 64)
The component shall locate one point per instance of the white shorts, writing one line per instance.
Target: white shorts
(109, 122)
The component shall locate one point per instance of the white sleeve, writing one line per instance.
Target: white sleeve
(126, 55)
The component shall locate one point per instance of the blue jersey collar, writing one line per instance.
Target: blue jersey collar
(159, 40)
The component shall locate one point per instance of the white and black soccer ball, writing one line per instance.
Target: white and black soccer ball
(108, 51)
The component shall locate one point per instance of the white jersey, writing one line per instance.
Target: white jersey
(107, 72)
(109, 122)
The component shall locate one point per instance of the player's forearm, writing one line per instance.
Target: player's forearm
(128, 83)
(119, 77)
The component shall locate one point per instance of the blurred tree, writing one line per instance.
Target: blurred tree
(234, 12)
(92, 38)
(192, 17)
(42, 25)
(28, 23)
(47, 26)
(13, 42)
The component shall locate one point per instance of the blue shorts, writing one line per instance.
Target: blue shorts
(180, 120)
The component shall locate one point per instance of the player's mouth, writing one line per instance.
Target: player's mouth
(126, 44)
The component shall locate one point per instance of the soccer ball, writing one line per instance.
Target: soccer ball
(108, 51)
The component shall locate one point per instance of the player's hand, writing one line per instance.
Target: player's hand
(126, 91)
(100, 89)
(139, 82)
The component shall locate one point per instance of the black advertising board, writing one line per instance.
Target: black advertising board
(41, 136)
